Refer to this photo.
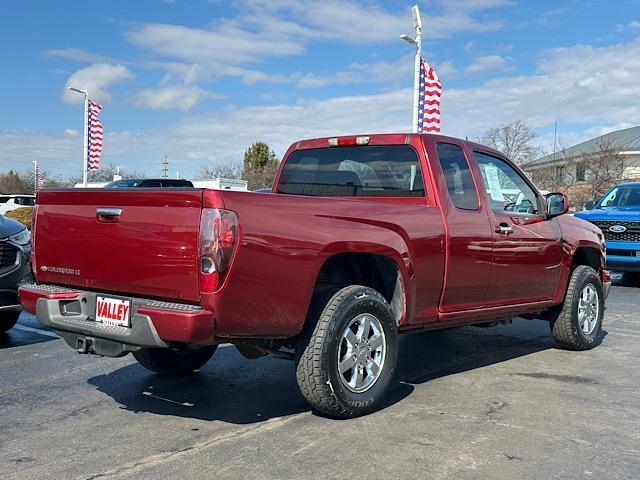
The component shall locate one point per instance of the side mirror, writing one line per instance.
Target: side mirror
(589, 204)
(557, 204)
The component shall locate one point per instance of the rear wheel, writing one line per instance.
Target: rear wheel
(578, 322)
(346, 359)
(8, 320)
(172, 362)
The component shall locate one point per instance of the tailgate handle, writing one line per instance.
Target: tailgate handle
(108, 213)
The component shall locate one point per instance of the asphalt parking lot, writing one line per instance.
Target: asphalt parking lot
(471, 403)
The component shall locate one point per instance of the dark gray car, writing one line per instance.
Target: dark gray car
(15, 267)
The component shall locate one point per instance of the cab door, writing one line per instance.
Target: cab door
(527, 249)
(469, 234)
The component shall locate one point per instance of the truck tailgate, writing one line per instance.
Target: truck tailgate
(149, 250)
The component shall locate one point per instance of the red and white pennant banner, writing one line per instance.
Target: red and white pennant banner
(94, 127)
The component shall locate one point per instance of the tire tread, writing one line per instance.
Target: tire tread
(563, 328)
(312, 379)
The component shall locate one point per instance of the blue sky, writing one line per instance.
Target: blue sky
(200, 80)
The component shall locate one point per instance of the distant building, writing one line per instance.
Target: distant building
(221, 184)
(617, 152)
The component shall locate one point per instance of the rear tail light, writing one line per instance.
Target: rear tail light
(34, 268)
(218, 240)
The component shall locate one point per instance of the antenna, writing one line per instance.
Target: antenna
(165, 168)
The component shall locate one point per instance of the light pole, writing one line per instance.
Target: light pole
(417, 42)
(85, 154)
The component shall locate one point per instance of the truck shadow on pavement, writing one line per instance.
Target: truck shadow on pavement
(232, 389)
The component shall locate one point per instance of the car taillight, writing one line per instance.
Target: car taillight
(218, 239)
(34, 269)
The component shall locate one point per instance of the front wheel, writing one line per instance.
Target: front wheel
(346, 359)
(8, 320)
(578, 322)
(172, 362)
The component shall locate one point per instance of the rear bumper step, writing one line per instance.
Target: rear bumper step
(153, 323)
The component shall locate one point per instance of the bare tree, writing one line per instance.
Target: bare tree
(584, 177)
(16, 182)
(604, 166)
(515, 139)
(221, 170)
(105, 174)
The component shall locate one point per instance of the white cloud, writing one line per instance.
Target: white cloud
(488, 63)
(96, 79)
(71, 132)
(78, 55)
(582, 85)
(362, 23)
(177, 96)
(377, 72)
(274, 28)
(225, 44)
(627, 27)
(578, 84)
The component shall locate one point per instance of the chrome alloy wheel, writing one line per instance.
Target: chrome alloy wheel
(361, 353)
(588, 309)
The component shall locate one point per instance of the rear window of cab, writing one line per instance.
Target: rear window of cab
(353, 171)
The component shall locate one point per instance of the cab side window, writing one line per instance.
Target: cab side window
(462, 190)
(506, 190)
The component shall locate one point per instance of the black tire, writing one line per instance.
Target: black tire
(317, 353)
(171, 362)
(564, 322)
(8, 320)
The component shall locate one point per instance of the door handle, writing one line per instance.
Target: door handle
(108, 214)
(504, 229)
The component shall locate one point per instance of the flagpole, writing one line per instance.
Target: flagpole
(85, 153)
(85, 157)
(35, 175)
(417, 23)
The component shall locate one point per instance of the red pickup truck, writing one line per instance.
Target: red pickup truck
(362, 238)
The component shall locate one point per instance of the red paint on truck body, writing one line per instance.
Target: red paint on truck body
(453, 267)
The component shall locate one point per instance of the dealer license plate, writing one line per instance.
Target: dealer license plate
(113, 311)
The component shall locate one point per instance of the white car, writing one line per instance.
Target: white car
(11, 202)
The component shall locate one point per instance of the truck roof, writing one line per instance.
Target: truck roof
(388, 139)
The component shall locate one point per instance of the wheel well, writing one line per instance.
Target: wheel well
(587, 256)
(375, 271)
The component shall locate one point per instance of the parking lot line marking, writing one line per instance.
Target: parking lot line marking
(46, 333)
(184, 404)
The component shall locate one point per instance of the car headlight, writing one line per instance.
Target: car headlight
(21, 238)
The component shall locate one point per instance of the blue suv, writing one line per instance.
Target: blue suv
(618, 215)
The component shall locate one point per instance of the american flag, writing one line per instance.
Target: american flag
(430, 90)
(95, 135)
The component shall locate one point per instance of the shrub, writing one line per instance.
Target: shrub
(22, 215)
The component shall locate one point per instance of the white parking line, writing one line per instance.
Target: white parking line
(46, 333)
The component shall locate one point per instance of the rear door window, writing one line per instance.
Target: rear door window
(462, 190)
(358, 171)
